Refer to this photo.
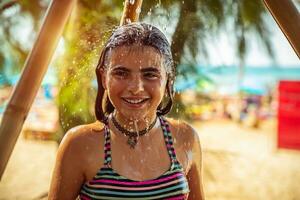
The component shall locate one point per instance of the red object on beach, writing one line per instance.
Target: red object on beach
(289, 115)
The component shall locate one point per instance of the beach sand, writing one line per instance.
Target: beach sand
(28, 173)
(244, 163)
(239, 163)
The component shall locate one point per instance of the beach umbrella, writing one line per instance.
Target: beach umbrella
(254, 87)
(35, 68)
(253, 91)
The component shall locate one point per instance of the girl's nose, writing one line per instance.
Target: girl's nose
(136, 85)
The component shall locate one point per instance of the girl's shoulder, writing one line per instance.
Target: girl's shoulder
(181, 127)
(184, 133)
(78, 138)
(83, 132)
(75, 158)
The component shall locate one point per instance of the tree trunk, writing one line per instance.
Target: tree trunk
(182, 31)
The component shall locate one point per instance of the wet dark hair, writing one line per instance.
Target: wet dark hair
(127, 35)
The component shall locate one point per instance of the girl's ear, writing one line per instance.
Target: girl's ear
(103, 77)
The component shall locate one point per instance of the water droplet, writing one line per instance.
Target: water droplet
(138, 10)
(128, 21)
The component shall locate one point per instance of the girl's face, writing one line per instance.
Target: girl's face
(135, 81)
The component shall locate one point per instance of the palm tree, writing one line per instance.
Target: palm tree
(10, 14)
(92, 22)
(198, 19)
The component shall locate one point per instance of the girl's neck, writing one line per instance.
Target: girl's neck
(133, 124)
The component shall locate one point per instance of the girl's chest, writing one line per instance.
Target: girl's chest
(147, 164)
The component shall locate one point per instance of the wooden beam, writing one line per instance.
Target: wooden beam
(33, 72)
(288, 19)
(132, 10)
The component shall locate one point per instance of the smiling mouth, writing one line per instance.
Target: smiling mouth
(135, 101)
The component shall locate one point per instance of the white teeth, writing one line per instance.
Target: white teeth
(134, 101)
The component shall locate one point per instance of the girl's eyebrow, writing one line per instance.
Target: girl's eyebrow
(120, 67)
(150, 69)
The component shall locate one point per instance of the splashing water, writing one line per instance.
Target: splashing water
(165, 28)
(138, 10)
(147, 124)
(149, 12)
(158, 4)
(128, 21)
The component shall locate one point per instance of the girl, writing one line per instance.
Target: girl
(135, 152)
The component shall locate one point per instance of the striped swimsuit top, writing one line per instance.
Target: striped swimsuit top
(108, 184)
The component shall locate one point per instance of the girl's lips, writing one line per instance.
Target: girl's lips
(135, 102)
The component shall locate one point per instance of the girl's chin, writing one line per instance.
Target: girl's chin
(137, 115)
(134, 116)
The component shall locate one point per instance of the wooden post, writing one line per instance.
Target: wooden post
(288, 18)
(132, 10)
(33, 72)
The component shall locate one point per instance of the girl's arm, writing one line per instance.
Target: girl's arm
(194, 175)
(68, 175)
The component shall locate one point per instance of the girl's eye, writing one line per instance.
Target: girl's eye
(121, 74)
(150, 75)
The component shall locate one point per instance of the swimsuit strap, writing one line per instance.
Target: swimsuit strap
(169, 141)
(107, 148)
